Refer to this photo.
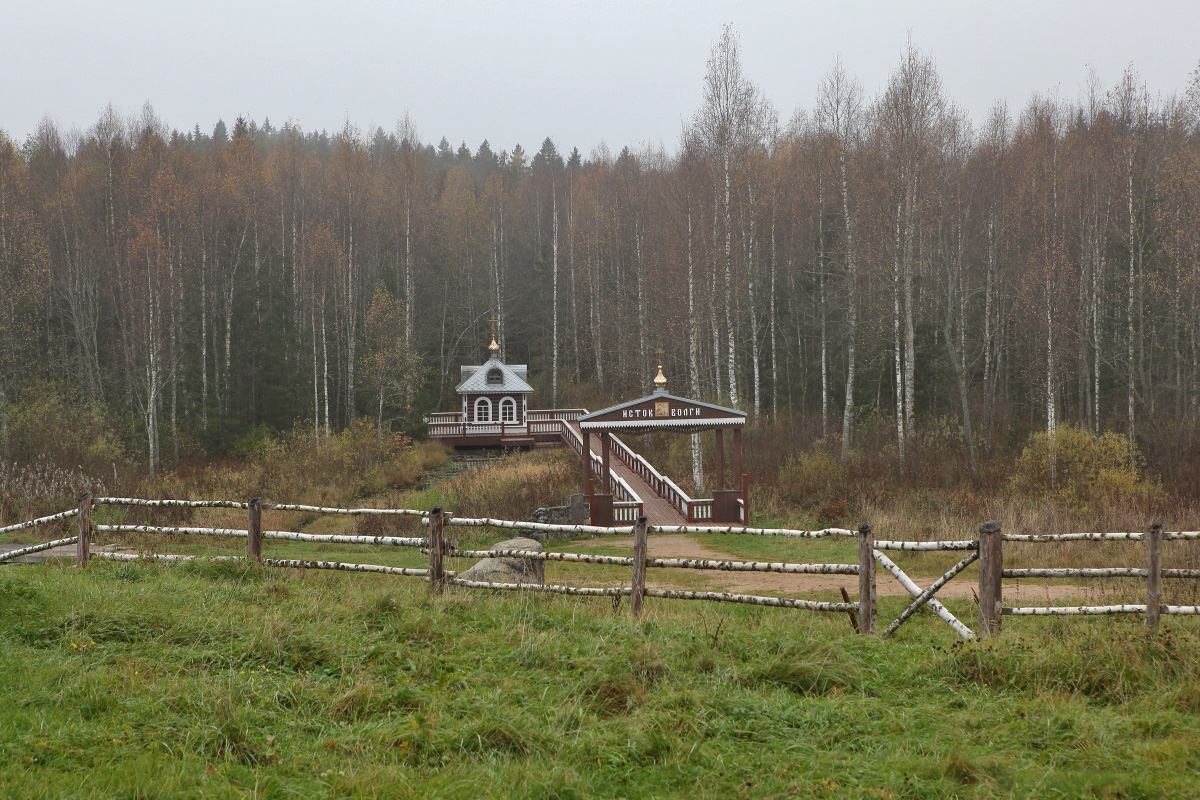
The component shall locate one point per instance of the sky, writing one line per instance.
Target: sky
(582, 73)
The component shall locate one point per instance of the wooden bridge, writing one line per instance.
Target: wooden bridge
(636, 486)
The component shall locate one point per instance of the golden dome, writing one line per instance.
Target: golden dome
(660, 380)
(494, 348)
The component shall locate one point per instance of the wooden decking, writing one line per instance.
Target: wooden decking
(657, 509)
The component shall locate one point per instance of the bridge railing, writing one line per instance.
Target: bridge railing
(567, 414)
(622, 491)
(463, 429)
(693, 509)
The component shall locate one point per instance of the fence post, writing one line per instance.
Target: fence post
(437, 577)
(746, 498)
(254, 529)
(991, 571)
(866, 580)
(639, 566)
(83, 549)
(1154, 575)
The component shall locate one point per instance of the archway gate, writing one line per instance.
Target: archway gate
(662, 411)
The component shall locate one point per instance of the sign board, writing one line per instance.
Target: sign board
(663, 411)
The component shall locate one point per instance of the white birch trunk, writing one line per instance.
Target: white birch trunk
(751, 261)
(730, 338)
(203, 337)
(897, 352)
(325, 360)
(409, 300)
(554, 299)
(774, 351)
(851, 311)
(694, 360)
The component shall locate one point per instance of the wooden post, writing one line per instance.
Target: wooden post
(587, 462)
(720, 461)
(866, 580)
(991, 572)
(605, 472)
(437, 577)
(737, 454)
(746, 496)
(639, 566)
(83, 548)
(254, 530)
(1154, 575)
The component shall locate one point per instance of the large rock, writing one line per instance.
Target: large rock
(510, 570)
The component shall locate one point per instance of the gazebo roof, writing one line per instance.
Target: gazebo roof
(661, 410)
(511, 382)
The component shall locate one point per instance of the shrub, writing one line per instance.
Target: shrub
(53, 427)
(1078, 468)
(812, 477)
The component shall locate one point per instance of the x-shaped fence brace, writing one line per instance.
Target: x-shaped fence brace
(925, 597)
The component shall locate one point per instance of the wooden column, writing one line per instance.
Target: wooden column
(254, 530)
(605, 473)
(720, 461)
(991, 572)
(587, 462)
(866, 580)
(739, 479)
(639, 566)
(737, 456)
(437, 576)
(83, 548)
(1153, 575)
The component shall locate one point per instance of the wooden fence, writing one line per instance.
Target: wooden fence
(987, 550)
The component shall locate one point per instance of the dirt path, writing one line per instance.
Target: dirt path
(684, 546)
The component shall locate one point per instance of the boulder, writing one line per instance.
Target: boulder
(509, 570)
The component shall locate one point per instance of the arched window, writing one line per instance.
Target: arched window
(483, 410)
(495, 377)
(508, 410)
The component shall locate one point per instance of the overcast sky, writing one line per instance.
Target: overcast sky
(579, 72)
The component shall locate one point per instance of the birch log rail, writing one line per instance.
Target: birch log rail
(290, 563)
(332, 538)
(134, 501)
(577, 591)
(939, 609)
(667, 563)
(754, 600)
(1096, 537)
(37, 548)
(1088, 611)
(1096, 572)
(542, 527)
(925, 596)
(33, 523)
(799, 534)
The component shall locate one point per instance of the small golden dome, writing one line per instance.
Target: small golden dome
(660, 380)
(494, 348)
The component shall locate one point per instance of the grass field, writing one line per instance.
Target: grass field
(225, 680)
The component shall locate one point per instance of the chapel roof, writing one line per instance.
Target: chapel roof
(475, 379)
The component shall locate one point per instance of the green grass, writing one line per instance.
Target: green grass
(227, 680)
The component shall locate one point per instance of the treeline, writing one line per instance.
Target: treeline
(871, 260)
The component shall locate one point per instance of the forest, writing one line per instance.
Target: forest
(877, 275)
